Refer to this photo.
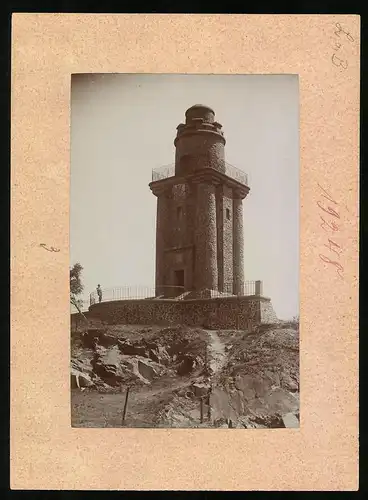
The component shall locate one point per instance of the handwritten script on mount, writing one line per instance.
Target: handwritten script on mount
(330, 226)
(338, 57)
(51, 249)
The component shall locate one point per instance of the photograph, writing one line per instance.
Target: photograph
(184, 250)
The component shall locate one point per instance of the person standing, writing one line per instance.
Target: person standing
(99, 292)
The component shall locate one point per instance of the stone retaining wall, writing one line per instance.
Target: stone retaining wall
(268, 314)
(224, 312)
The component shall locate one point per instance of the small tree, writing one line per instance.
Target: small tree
(76, 287)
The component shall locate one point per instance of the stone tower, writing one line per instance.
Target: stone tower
(199, 232)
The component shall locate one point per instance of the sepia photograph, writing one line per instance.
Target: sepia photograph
(184, 251)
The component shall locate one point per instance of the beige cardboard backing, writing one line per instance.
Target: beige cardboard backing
(46, 453)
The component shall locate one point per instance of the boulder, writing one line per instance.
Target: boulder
(220, 405)
(238, 403)
(79, 379)
(106, 364)
(159, 355)
(92, 337)
(288, 383)
(82, 366)
(220, 422)
(245, 385)
(248, 424)
(131, 350)
(200, 390)
(146, 370)
(150, 345)
(109, 373)
(262, 385)
(153, 355)
(290, 421)
(281, 401)
(107, 340)
(268, 421)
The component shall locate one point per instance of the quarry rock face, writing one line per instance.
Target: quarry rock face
(254, 382)
(261, 379)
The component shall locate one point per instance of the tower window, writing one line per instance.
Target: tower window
(228, 214)
(179, 212)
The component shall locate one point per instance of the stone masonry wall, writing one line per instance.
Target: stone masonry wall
(177, 227)
(206, 272)
(218, 313)
(227, 239)
(268, 314)
(199, 151)
(238, 245)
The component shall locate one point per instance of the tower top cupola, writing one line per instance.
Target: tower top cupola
(201, 112)
(199, 119)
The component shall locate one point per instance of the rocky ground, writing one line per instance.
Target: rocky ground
(185, 377)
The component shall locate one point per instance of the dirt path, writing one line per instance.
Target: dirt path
(93, 409)
(217, 351)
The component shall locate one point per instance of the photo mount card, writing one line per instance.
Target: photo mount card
(50, 163)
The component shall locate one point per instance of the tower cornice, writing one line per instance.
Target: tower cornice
(162, 187)
(212, 176)
(205, 175)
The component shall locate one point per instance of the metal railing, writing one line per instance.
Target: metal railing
(163, 172)
(245, 289)
(167, 171)
(236, 173)
(248, 288)
(136, 293)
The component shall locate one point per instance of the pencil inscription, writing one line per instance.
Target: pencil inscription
(51, 249)
(338, 58)
(331, 224)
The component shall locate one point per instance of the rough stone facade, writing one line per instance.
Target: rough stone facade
(238, 253)
(224, 313)
(206, 238)
(199, 213)
(225, 238)
(194, 152)
(268, 314)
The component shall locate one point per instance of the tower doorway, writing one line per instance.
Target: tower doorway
(179, 277)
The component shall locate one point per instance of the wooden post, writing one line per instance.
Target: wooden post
(125, 404)
(237, 312)
(209, 406)
(201, 410)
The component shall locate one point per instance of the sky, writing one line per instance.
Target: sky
(124, 125)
